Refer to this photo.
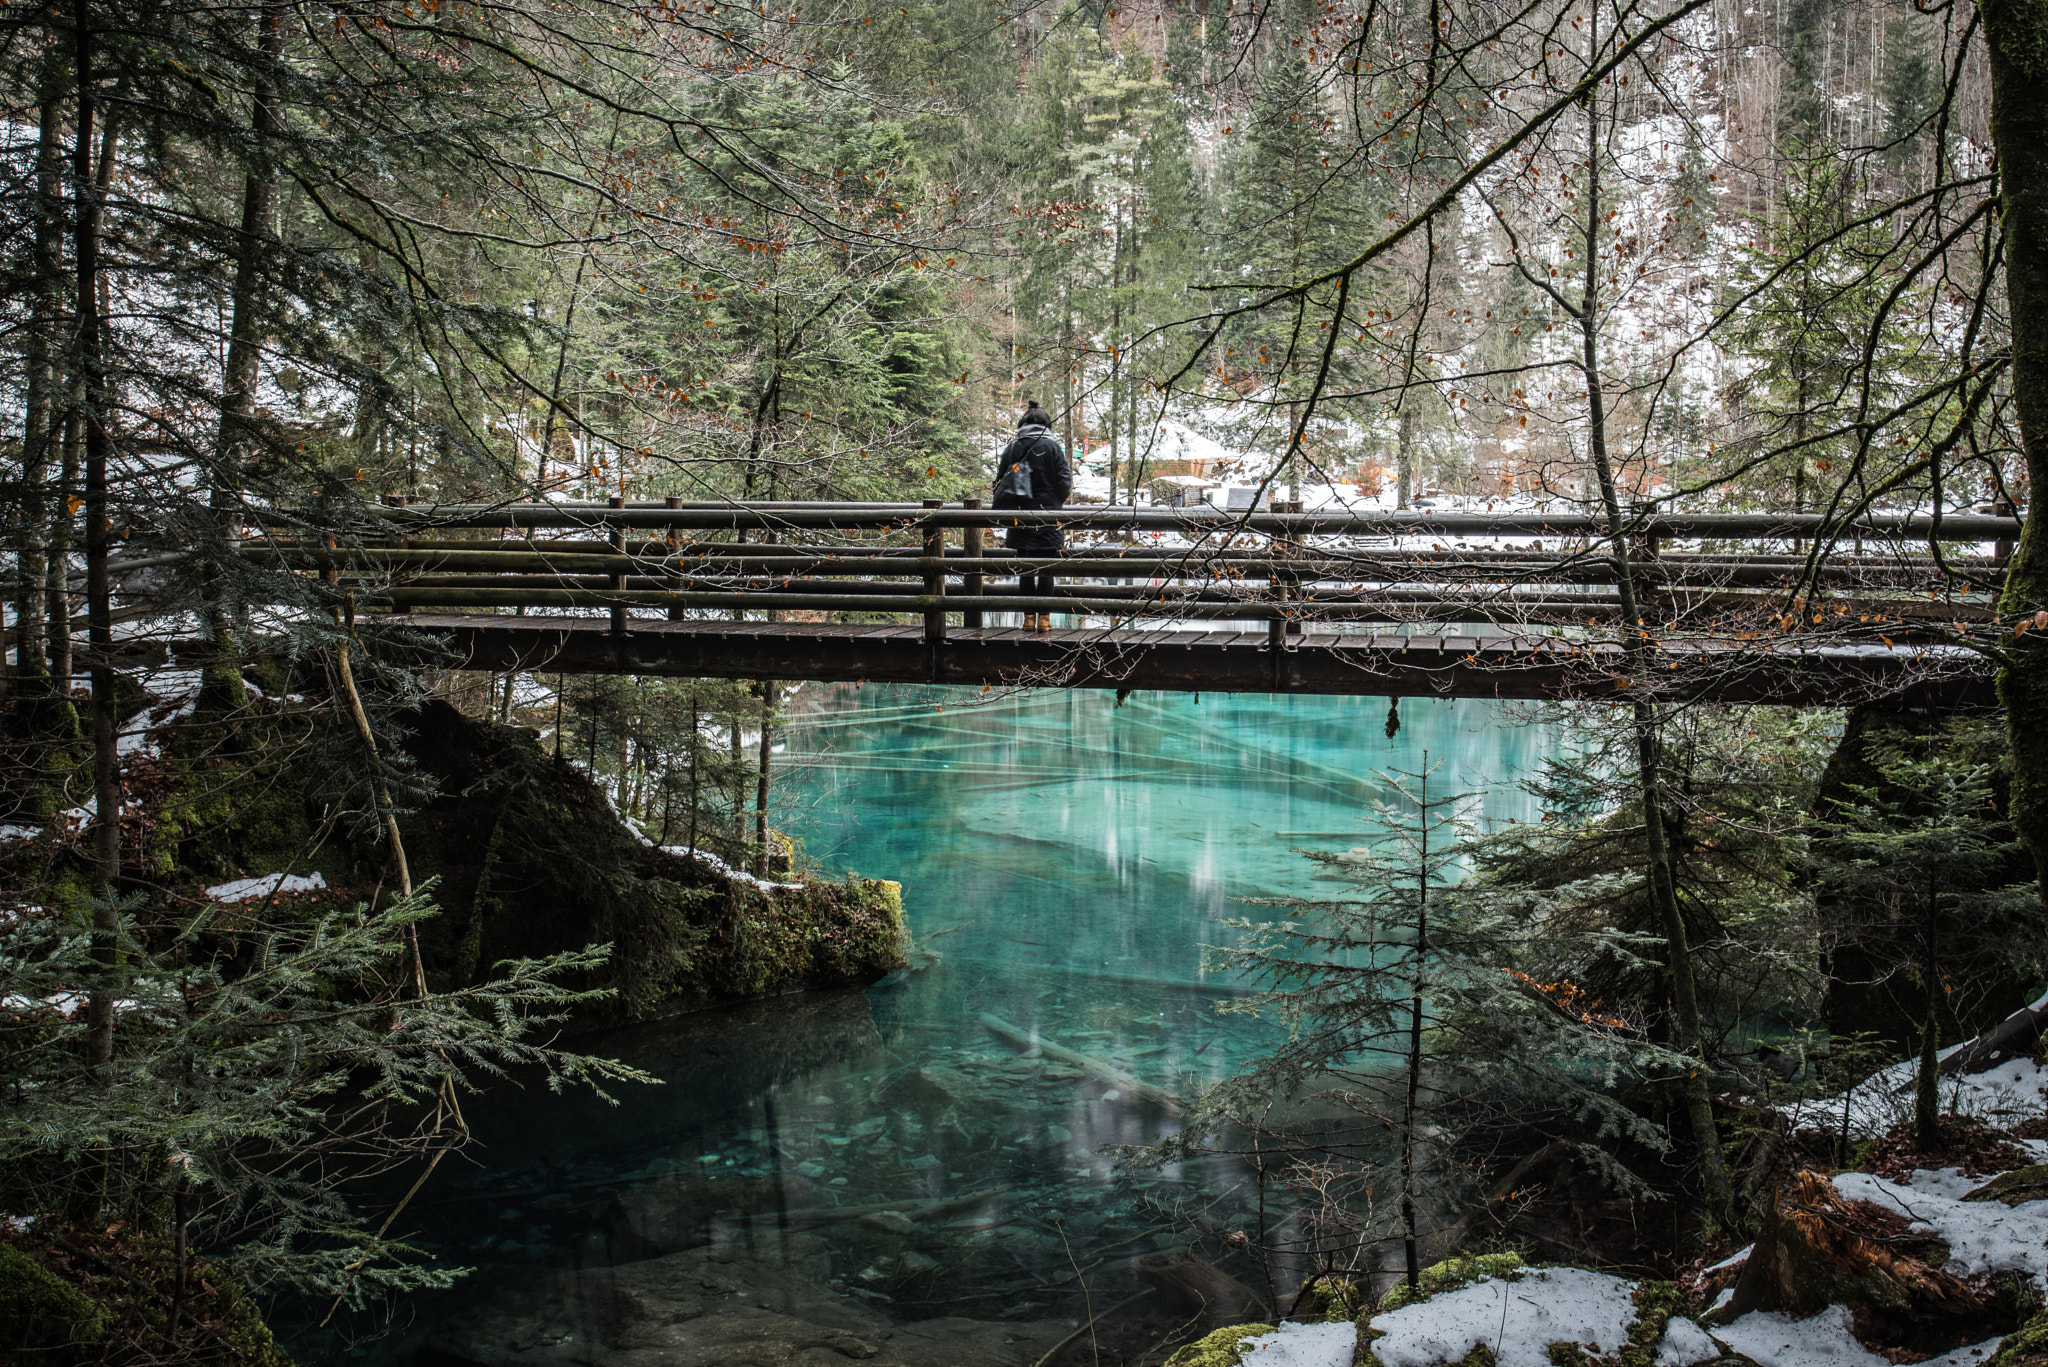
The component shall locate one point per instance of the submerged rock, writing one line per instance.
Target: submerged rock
(717, 1307)
(681, 1210)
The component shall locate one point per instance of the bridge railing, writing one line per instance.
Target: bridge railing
(1283, 568)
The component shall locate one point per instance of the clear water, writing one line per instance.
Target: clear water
(1063, 862)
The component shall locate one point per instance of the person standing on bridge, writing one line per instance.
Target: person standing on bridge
(1033, 473)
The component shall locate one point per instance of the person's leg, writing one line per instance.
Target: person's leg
(1029, 589)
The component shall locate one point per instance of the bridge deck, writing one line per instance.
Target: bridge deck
(1222, 661)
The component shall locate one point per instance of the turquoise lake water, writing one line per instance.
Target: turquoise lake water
(1063, 861)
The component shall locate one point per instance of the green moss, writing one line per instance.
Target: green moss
(1223, 1348)
(1656, 1303)
(40, 1309)
(1480, 1356)
(1331, 1299)
(242, 1329)
(2015, 1187)
(1453, 1273)
(2026, 1346)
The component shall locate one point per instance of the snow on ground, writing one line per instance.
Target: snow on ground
(737, 875)
(1966, 1357)
(1518, 1320)
(247, 889)
(1302, 1345)
(2013, 1091)
(1685, 1343)
(1982, 1236)
(1773, 1339)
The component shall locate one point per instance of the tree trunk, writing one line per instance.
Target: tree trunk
(761, 779)
(106, 760)
(238, 397)
(1404, 459)
(39, 426)
(2017, 31)
(1636, 646)
(59, 595)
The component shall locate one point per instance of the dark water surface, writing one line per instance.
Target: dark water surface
(1063, 862)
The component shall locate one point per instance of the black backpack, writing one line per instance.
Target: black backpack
(1013, 485)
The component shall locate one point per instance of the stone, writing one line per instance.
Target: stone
(2015, 1188)
(890, 1222)
(914, 1261)
(1058, 1134)
(681, 1210)
(718, 1307)
(1193, 1286)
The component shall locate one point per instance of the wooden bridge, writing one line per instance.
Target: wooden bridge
(1516, 605)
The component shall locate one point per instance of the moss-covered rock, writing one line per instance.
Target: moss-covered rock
(1453, 1273)
(1222, 1348)
(1331, 1299)
(2026, 1346)
(1656, 1303)
(104, 1296)
(532, 860)
(39, 1309)
(2015, 1187)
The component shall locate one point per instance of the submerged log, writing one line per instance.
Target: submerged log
(1100, 1069)
(912, 1210)
(1194, 1286)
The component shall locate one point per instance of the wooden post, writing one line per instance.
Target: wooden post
(934, 578)
(1281, 582)
(2001, 549)
(402, 542)
(970, 546)
(618, 540)
(677, 613)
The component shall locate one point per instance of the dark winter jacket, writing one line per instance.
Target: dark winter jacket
(1052, 479)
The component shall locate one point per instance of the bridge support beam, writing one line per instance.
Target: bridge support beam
(1187, 661)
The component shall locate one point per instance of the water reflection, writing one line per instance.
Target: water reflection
(877, 1164)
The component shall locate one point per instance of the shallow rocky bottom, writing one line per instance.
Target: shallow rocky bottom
(719, 1306)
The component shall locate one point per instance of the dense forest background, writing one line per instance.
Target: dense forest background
(275, 265)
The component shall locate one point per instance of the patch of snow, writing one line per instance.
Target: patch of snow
(1727, 1295)
(1518, 1320)
(1685, 1343)
(737, 875)
(245, 889)
(1982, 1236)
(2015, 1090)
(1771, 1338)
(1735, 1259)
(1968, 1356)
(11, 834)
(18, 1223)
(1302, 1345)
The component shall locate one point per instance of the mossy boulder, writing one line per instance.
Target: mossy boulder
(1221, 1348)
(2016, 1187)
(1656, 1303)
(2026, 1346)
(532, 860)
(1453, 1273)
(40, 1310)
